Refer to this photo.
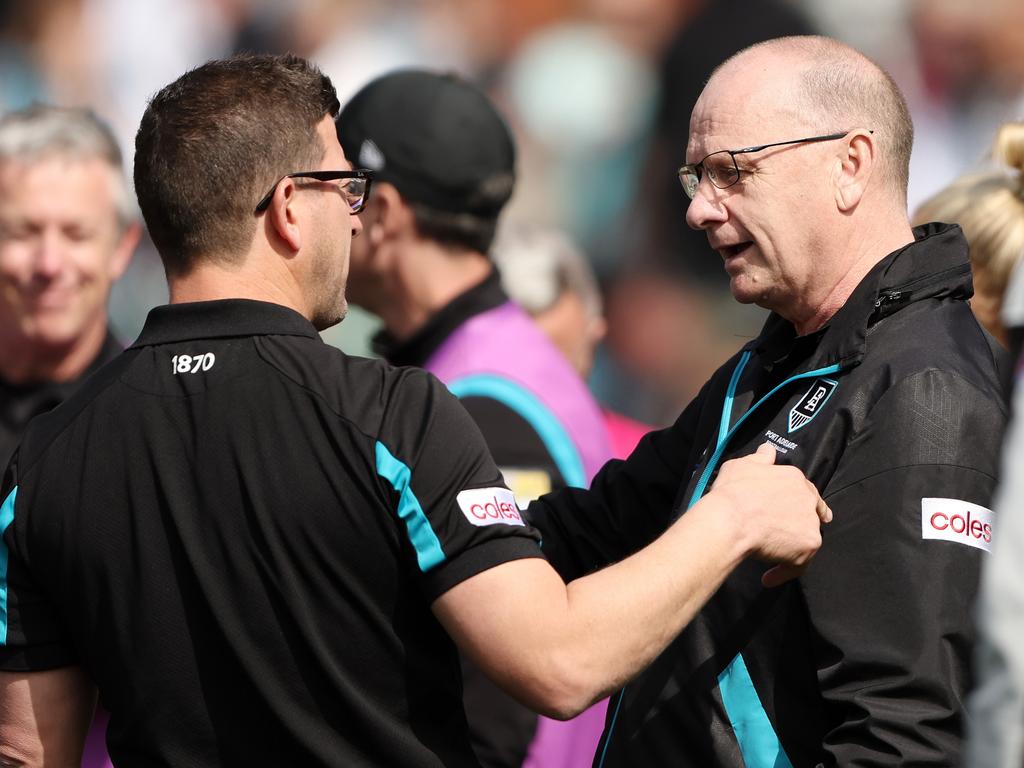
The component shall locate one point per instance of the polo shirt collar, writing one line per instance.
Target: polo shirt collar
(221, 319)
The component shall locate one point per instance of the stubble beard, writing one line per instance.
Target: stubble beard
(328, 288)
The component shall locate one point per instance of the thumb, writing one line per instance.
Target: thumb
(765, 453)
(780, 574)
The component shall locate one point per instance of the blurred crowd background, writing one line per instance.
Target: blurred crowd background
(598, 94)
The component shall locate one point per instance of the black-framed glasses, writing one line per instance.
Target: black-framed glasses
(721, 168)
(355, 186)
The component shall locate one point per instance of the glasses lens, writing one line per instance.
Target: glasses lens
(355, 194)
(689, 178)
(721, 169)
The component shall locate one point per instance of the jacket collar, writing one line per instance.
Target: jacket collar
(220, 319)
(935, 265)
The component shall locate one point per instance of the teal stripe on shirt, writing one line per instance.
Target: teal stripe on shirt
(6, 518)
(428, 547)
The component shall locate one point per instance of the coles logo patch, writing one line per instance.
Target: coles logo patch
(487, 506)
(956, 520)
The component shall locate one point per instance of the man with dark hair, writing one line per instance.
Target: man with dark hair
(258, 548)
(424, 269)
(872, 375)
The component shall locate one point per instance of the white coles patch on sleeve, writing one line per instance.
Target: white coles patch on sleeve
(958, 521)
(487, 506)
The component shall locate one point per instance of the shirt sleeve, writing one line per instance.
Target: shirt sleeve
(890, 594)
(458, 516)
(31, 637)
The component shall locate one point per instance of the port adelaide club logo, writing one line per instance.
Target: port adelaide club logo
(811, 403)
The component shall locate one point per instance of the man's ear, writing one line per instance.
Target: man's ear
(391, 217)
(124, 250)
(854, 168)
(282, 216)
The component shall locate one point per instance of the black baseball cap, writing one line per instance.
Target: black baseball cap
(436, 137)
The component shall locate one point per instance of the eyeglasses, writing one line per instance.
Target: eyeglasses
(355, 186)
(720, 167)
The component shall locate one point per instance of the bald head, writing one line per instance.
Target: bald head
(826, 86)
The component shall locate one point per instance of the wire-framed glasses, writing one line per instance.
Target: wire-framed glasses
(721, 169)
(355, 186)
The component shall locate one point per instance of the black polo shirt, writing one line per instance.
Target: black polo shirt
(238, 531)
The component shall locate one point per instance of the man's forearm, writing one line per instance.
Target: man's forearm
(558, 647)
(573, 644)
(621, 618)
(44, 717)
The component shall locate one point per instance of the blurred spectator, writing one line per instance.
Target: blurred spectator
(547, 275)
(971, 80)
(989, 206)
(20, 80)
(48, 55)
(667, 335)
(583, 103)
(67, 231)
(996, 725)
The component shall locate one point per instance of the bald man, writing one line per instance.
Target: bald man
(872, 376)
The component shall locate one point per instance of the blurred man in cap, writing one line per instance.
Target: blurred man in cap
(444, 161)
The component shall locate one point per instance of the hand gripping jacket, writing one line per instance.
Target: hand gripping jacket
(891, 409)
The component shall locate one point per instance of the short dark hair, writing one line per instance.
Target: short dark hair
(214, 141)
(463, 230)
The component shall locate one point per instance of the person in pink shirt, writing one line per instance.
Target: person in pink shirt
(547, 275)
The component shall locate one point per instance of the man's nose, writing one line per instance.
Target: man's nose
(706, 207)
(50, 253)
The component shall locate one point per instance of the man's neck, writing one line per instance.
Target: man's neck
(868, 252)
(430, 282)
(24, 361)
(210, 281)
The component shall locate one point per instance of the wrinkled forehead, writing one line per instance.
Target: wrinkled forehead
(744, 104)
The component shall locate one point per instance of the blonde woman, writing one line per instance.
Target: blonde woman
(989, 206)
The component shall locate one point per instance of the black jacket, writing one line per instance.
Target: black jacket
(20, 403)
(864, 659)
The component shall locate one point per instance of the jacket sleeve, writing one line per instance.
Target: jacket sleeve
(629, 504)
(890, 595)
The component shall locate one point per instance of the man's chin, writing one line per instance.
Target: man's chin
(329, 319)
(52, 331)
(742, 291)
